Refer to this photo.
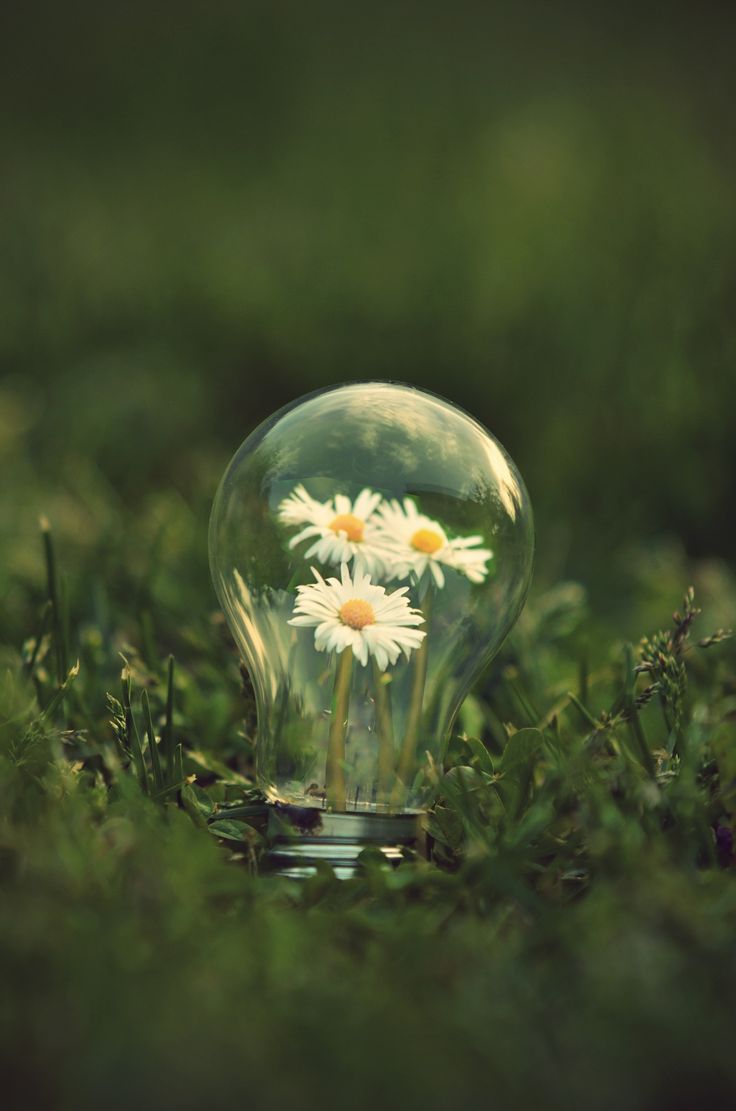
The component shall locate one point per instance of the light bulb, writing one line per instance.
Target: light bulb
(371, 546)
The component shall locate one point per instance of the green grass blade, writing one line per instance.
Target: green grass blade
(158, 778)
(61, 693)
(46, 616)
(132, 735)
(52, 589)
(167, 736)
(632, 711)
(178, 777)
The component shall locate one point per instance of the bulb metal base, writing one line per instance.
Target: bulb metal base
(302, 837)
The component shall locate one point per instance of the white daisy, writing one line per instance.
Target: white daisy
(342, 529)
(299, 507)
(352, 612)
(417, 543)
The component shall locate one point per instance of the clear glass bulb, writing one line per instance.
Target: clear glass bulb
(371, 546)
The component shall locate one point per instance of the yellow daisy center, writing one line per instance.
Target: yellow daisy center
(427, 540)
(357, 613)
(349, 524)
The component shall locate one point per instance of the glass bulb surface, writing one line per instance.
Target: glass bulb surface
(371, 546)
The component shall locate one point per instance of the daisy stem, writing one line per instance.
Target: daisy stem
(385, 726)
(335, 772)
(416, 701)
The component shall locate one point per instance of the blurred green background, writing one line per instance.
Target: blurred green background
(209, 209)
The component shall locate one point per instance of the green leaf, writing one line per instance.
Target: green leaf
(522, 747)
(230, 830)
(207, 763)
(481, 754)
(191, 804)
(517, 767)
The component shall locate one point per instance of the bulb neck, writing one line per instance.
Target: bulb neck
(301, 838)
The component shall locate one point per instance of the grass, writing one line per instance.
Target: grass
(569, 943)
